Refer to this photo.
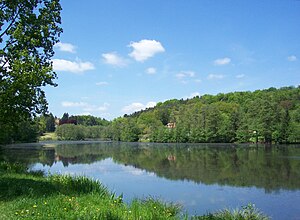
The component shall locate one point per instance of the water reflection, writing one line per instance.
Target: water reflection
(201, 177)
(270, 168)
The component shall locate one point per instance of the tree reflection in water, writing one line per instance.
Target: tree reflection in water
(270, 168)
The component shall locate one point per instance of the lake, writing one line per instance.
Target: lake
(201, 177)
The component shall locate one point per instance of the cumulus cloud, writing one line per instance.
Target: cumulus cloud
(215, 76)
(222, 61)
(86, 107)
(185, 74)
(151, 70)
(133, 171)
(66, 47)
(114, 59)
(239, 76)
(96, 108)
(103, 107)
(137, 106)
(101, 83)
(292, 58)
(150, 104)
(192, 95)
(73, 104)
(145, 49)
(72, 66)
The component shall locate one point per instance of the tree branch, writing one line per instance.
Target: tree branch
(4, 63)
(10, 25)
(8, 44)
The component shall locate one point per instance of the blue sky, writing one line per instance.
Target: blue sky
(119, 56)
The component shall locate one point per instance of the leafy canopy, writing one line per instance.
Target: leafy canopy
(28, 31)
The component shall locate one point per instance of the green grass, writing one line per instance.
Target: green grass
(249, 212)
(50, 136)
(31, 195)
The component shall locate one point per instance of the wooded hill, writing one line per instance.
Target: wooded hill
(270, 115)
(263, 116)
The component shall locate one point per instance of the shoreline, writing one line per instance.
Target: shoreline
(37, 196)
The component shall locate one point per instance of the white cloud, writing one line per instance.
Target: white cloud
(151, 70)
(102, 83)
(72, 66)
(133, 171)
(198, 80)
(95, 108)
(145, 49)
(133, 107)
(185, 74)
(103, 108)
(74, 104)
(114, 59)
(86, 107)
(215, 76)
(150, 104)
(222, 61)
(66, 47)
(192, 95)
(136, 106)
(85, 113)
(292, 58)
(239, 76)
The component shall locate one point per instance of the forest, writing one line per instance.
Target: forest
(266, 116)
(262, 116)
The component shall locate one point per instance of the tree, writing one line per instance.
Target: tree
(50, 123)
(28, 31)
(271, 115)
(65, 116)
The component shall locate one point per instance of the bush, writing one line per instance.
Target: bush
(70, 132)
(80, 132)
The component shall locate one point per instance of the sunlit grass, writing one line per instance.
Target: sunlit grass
(249, 212)
(26, 195)
(31, 195)
(50, 136)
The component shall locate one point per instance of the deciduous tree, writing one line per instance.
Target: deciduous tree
(28, 31)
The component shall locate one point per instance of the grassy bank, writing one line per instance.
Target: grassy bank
(50, 136)
(31, 195)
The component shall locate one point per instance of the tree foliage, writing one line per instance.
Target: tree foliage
(80, 132)
(28, 31)
(46, 123)
(223, 164)
(271, 115)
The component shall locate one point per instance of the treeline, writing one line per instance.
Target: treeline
(271, 115)
(259, 116)
(82, 127)
(233, 165)
(81, 132)
(85, 120)
(29, 130)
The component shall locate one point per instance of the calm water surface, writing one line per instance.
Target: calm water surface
(202, 177)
